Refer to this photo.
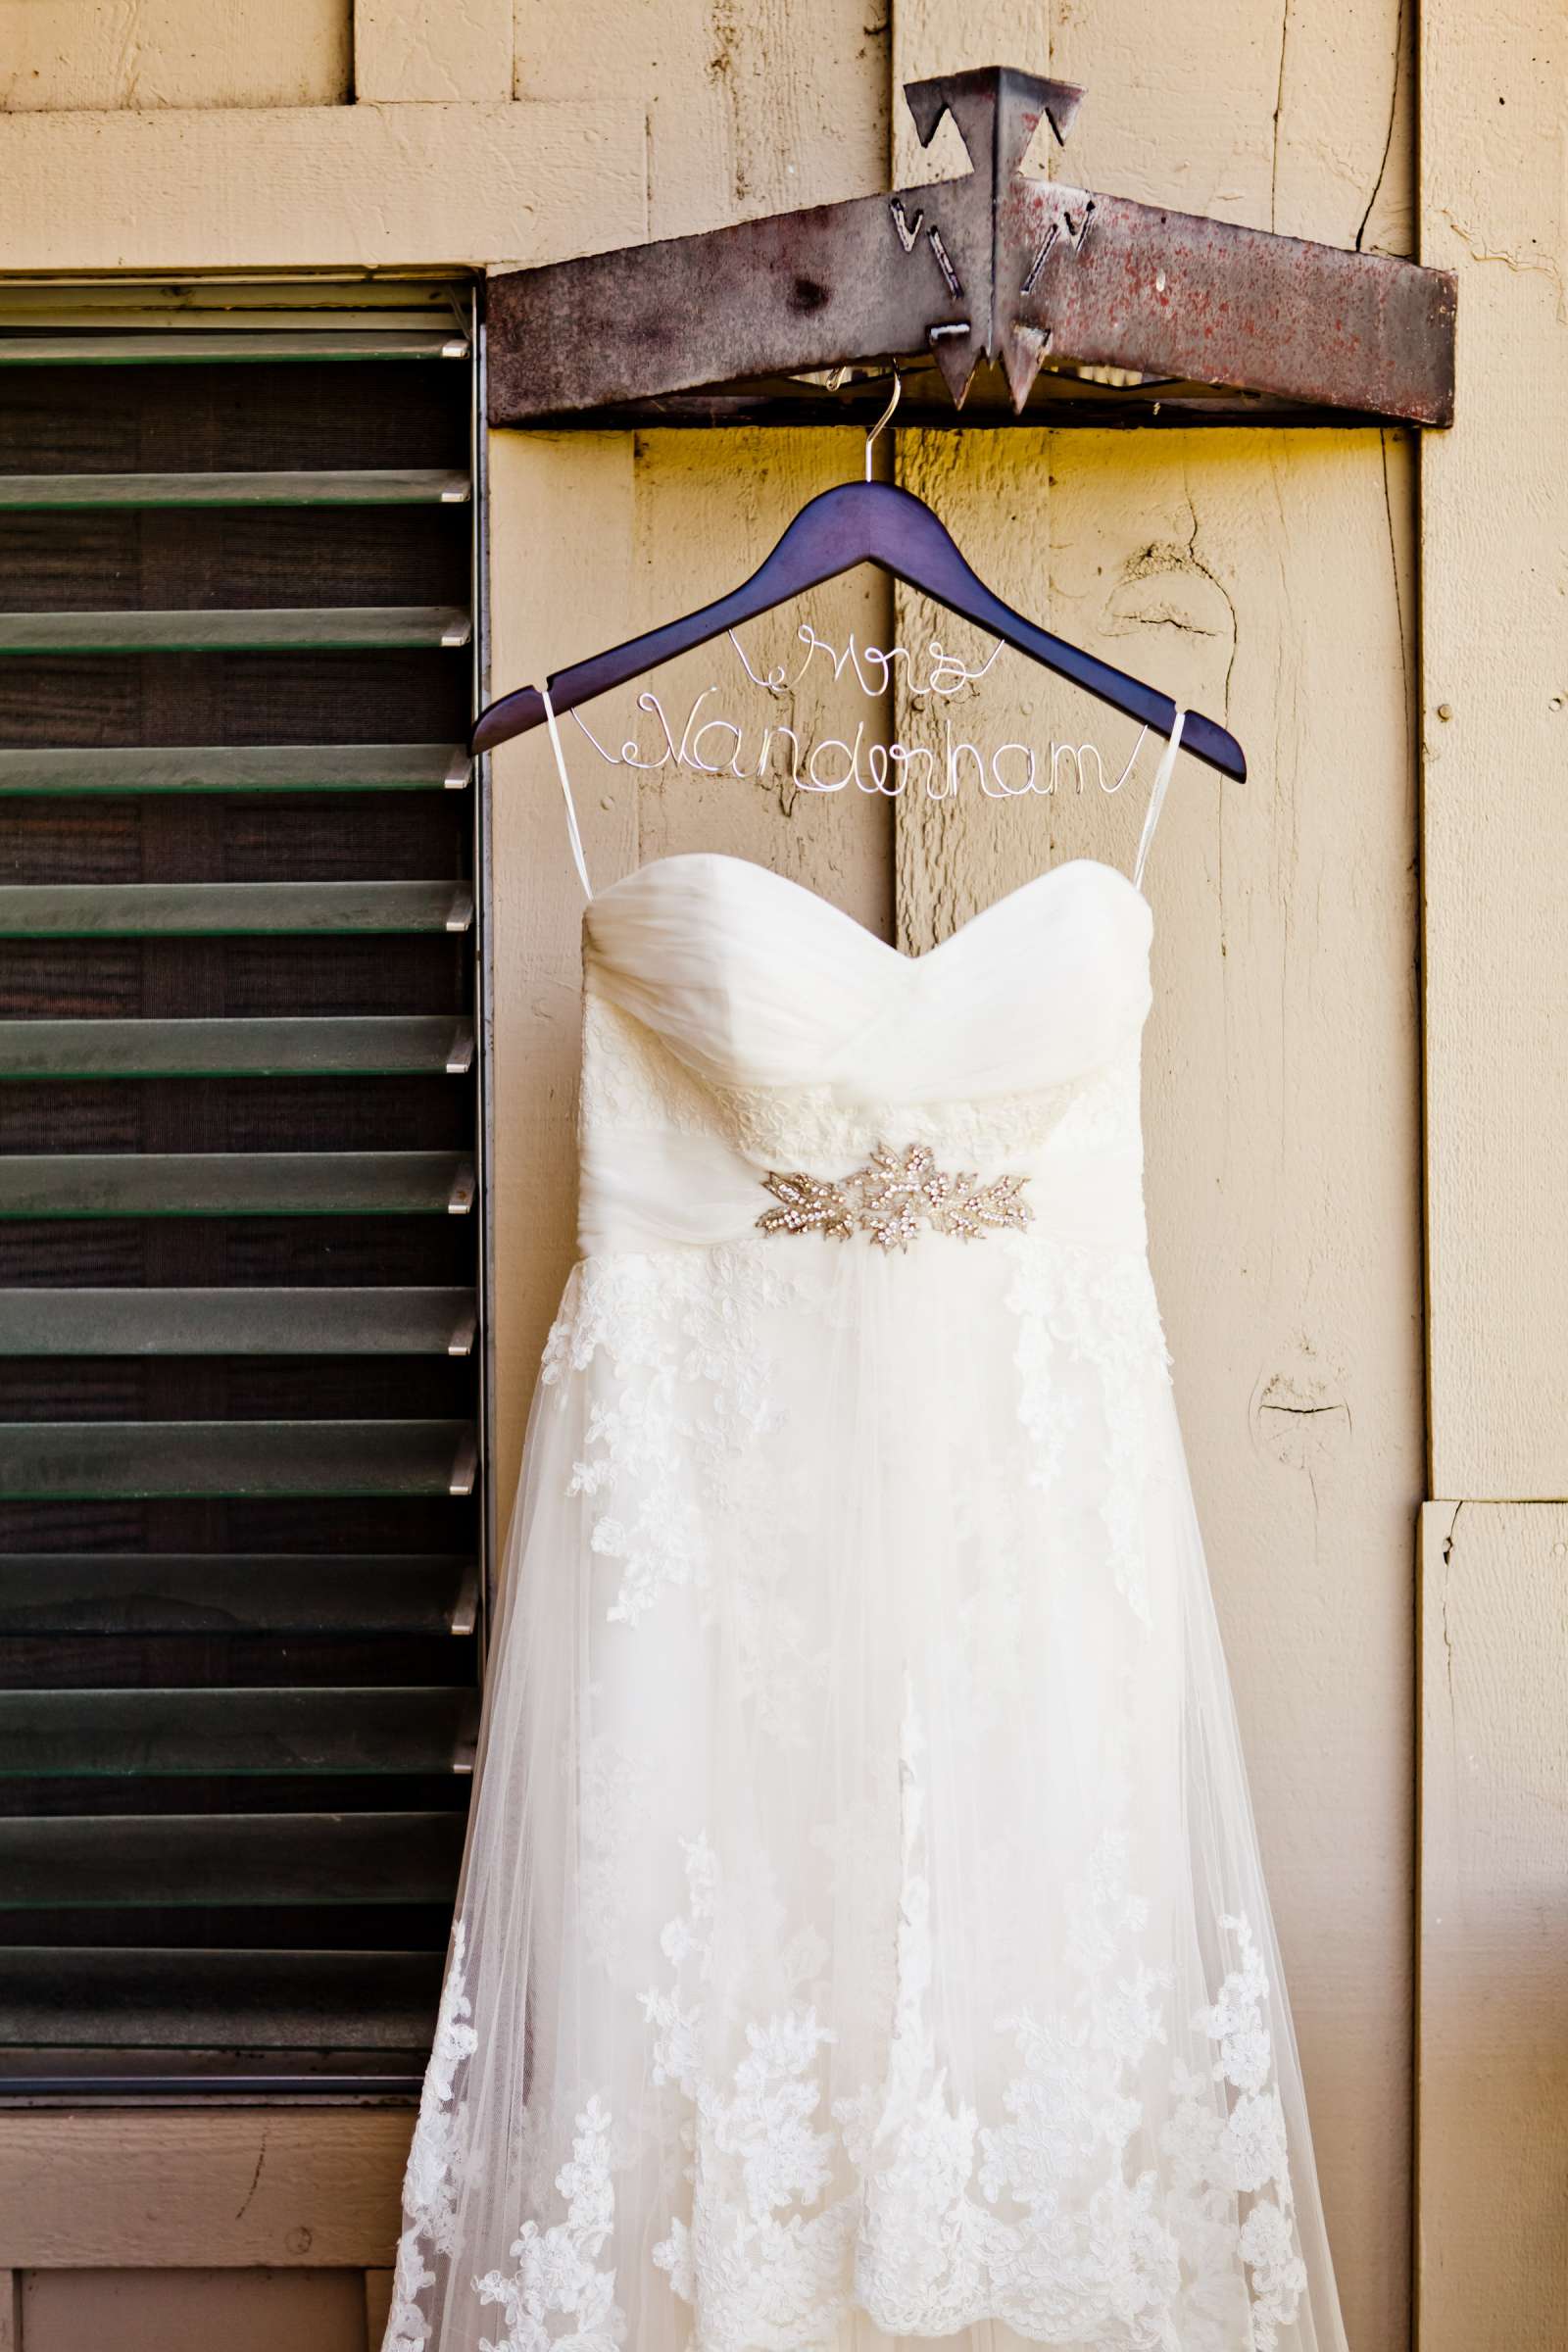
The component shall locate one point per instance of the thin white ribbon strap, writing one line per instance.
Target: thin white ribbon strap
(573, 834)
(1156, 797)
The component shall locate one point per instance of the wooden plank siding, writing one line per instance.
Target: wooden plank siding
(1492, 2153)
(1493, 2148)
(232, 2188)
(1495, 720)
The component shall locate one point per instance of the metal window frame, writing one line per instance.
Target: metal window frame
(185, 296)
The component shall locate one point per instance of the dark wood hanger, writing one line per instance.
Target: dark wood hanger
(859, 522)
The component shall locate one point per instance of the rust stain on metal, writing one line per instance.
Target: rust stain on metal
(996, 270)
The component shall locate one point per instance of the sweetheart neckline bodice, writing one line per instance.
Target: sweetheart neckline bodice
(1013, 900)
(746, 983)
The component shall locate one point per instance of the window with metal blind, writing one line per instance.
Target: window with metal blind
(242, 1364)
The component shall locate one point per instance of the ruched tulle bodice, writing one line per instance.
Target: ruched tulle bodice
(737, 1024)
(862, 1940)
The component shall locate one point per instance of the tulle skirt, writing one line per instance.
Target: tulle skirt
(862, 1940)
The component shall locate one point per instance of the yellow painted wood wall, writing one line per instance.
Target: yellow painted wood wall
(1492, 2153)
(1330, 942)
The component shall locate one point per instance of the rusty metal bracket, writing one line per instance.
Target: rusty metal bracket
(998, 293)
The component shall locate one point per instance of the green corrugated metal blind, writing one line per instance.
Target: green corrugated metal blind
(242, 1510)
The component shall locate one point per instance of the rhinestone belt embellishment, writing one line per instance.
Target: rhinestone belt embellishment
(892, 1197)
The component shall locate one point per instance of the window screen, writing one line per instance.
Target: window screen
(242, 1516)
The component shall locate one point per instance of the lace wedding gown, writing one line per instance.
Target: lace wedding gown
(861, 1937)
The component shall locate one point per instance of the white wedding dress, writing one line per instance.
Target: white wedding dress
(862, 1939)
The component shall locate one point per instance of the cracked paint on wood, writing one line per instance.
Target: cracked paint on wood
(753, 105)
(1495, 840)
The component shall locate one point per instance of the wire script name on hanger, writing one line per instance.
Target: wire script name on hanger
(709, 741)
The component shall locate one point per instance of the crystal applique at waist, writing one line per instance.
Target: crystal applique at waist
(893, 1198)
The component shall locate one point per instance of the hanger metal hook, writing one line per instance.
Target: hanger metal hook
(885, 420)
